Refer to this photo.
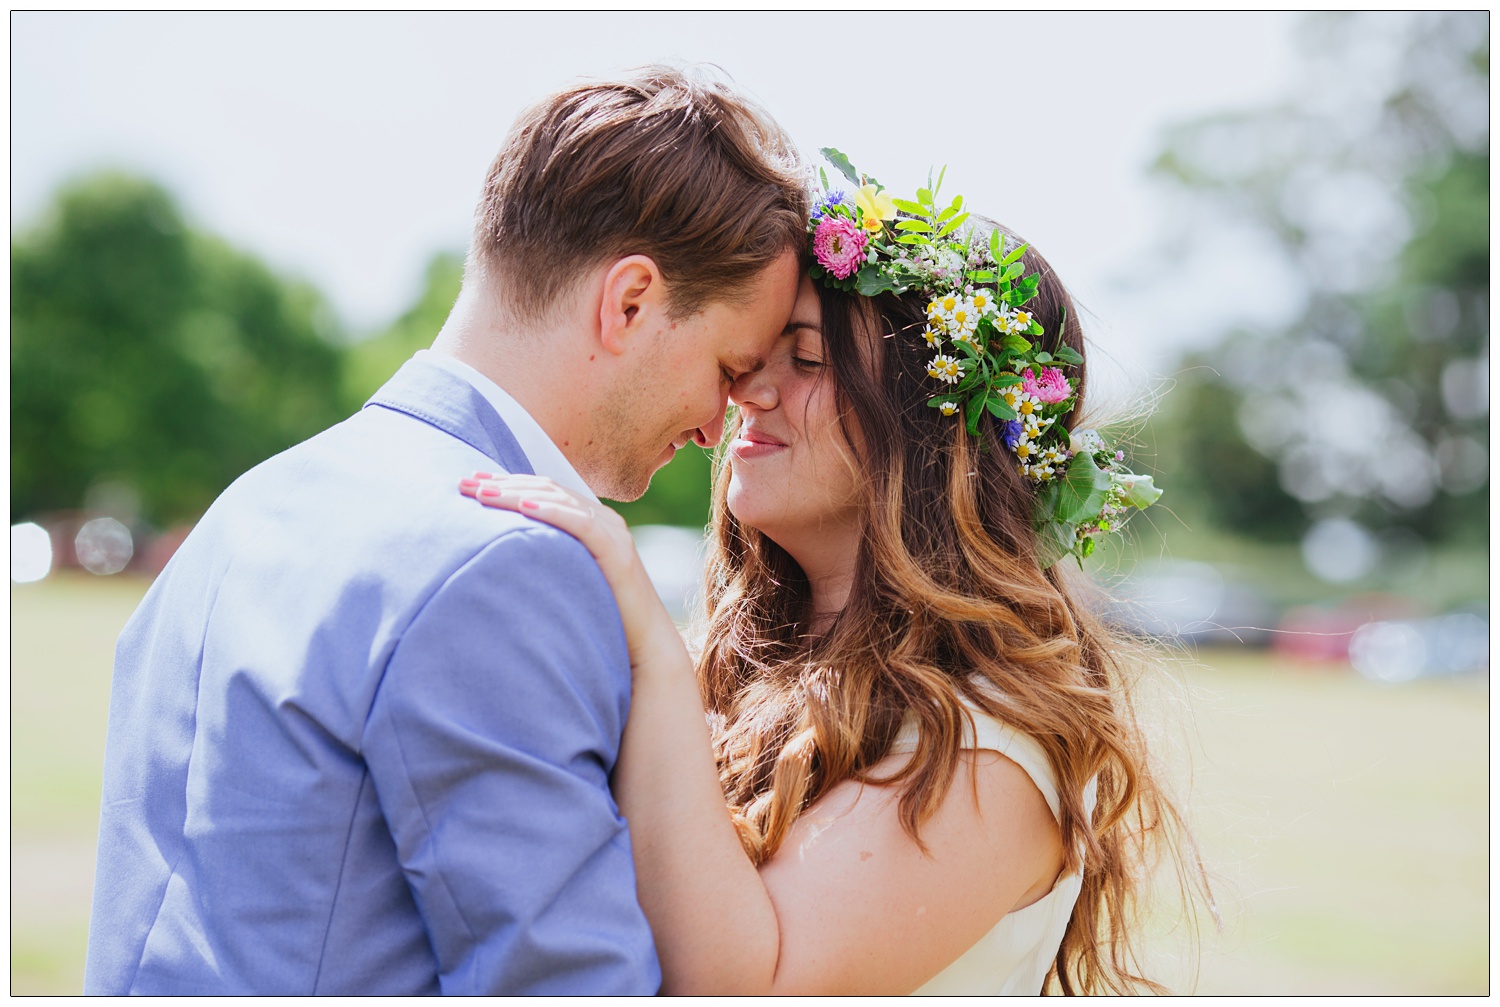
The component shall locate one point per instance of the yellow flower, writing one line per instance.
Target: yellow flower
(1023, 319)
(933, 336)
(948, 408)
(1023, 450)
(876, 207)
(981, 300)
(948, 303)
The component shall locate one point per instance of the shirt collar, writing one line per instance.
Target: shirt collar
(545, 457)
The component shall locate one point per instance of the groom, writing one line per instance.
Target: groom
(361, 728)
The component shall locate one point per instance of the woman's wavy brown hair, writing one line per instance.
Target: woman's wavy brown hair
(948, 601)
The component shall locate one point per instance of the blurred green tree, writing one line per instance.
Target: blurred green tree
(147, 354)
(1373, 191)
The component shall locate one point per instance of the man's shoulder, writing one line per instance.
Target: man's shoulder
(373, 498)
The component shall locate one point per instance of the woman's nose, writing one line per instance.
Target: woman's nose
(755, 389)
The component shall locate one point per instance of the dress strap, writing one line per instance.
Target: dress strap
(991, 735)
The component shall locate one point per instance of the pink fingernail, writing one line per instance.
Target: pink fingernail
(483, 475)
(530, 504)
(468, 483)
(489, 491)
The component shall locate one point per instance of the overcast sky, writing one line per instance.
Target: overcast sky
(348, 148)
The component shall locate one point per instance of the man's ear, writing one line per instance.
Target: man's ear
(635, 301)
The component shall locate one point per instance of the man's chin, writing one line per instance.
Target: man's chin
(626, 486)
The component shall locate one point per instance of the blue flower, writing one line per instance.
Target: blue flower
(1011, 430)
(833, 197)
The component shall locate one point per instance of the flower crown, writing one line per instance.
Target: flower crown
(977, 327)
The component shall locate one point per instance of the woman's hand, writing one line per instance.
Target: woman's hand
(648, 625)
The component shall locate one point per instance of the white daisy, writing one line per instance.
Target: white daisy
(945, 368)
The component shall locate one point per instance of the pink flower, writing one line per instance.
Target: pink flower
(1050, 387)
(839, 244)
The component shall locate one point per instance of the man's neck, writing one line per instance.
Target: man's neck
(485, 339)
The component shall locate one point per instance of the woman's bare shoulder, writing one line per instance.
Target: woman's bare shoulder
(866, 907)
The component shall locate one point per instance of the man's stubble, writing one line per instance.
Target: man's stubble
(625, 437)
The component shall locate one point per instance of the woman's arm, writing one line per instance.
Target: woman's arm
(849, 904)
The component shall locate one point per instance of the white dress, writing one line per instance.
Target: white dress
(1014, 957)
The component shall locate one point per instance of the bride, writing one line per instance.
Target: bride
(933, 779)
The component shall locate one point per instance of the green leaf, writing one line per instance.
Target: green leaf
(946, 214)
(823, 177)
(941, 175)
(1046, 503)
(1139, 491)
(815, 271)
(914, 239)
(1015, 343)
(1069, 356)
(982, 276)
(1000, 410)
(1006, 380)
(995, 244)
(1044, 357)
(872, 280)
(938, 400)
(949, 227)
(957, 204)
(1014, 256)
(914, 225)
(924, 196)
(841, 161)
(1049, 544)
(1036, 330)
(906, 205)
(1023, 293)
(973, 409)
(1014, 270)
(1082, 491)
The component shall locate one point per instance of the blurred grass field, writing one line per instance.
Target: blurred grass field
(1348, 821)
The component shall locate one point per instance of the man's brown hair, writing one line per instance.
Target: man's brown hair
(667, 163)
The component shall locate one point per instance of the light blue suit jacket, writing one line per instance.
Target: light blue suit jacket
(361, 733)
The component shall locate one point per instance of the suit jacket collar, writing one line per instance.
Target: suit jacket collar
(454, 406)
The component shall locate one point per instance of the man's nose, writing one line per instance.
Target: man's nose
(709, 435)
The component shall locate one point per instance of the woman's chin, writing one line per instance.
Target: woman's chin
(751, 511)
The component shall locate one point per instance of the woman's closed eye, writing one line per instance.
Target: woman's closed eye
(806, 363)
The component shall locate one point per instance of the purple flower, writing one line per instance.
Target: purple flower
(832, 198)
(1011, 430)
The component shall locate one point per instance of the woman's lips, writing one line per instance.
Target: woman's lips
(752, 444)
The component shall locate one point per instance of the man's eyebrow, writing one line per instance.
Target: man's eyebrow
(745, 363)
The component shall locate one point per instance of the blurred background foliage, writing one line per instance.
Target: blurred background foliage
(1367, 412)
(151, 363)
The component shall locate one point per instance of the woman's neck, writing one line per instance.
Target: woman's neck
(828, 560)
